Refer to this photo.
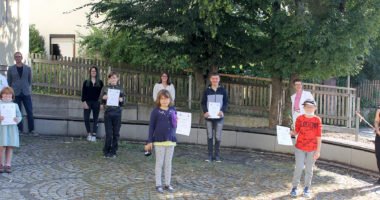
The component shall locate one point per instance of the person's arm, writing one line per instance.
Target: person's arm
(155, 91)
(152, 125)
(297, 127)
(18, 115)
(103, 96)
(204, 102)
(292, 99)
(319, 139)
(84, 92)
(172, 91)
(225, 101)
(30, 76)
(122, 97)
(377, 121)
(9, 76)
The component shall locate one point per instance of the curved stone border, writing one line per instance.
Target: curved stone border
(262, 139)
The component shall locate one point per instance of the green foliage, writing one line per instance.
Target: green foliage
(36, 41)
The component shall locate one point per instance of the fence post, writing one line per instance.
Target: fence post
(357, 123)
(109, 69)
(349, 110)
(190, 91)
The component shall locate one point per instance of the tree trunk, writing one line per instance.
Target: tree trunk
(200, 85)
(286, 109)
(274, 111)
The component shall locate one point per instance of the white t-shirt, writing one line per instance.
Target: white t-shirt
(159, 86)
(3, 82)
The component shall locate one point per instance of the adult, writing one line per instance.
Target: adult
(215, 96)
(90, 100)
(3, 82)
(377, 141)
(166, 84)
(298, 98)
(20, 79)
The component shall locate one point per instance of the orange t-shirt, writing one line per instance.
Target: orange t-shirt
(308, 130)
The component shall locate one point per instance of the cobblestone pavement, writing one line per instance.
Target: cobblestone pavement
(67, 168)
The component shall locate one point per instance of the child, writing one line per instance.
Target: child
(162, 129)
(112, 117)
(308, 146)
(9, 135)
(214, 93)
(377, 141)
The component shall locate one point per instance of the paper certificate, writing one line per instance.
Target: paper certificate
(213, 110)
(8, 111)
(283, 136)
(183, 123)
(113, 96)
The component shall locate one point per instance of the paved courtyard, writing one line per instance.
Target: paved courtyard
(71, 168)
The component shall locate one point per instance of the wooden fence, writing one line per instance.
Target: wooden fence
(369, 92)
(247, 95)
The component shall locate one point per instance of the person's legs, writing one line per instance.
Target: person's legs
(377, 151)
(18, 100)
(169, 151)
(8, 156)
(1, 159)
(209, 125)
(86, 116)
(309, 164)
(218, 138)
(160, 157)
(116, 124)
(95, 109)
(108, 130)
(300, 163)
(27, 101)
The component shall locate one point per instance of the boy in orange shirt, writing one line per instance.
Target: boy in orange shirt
(308, 128)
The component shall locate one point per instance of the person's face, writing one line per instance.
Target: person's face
(298, 86)
(113, 80)
(164, 101)
(214, 80)
(18, 57)
(93, 72)
(6, 97)
(309, 108)
(164, 78)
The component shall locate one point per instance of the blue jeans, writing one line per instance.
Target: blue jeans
(27, 101)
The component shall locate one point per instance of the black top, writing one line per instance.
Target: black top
(91, 92)
(19, 70)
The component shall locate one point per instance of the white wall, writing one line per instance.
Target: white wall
(49, 18)
(14, 29)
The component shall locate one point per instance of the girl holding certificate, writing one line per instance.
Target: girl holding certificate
(112, 99)
(162, 129)
(10, 116)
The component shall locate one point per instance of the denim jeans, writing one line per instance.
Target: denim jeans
(26, 100)
(377, 151)
(215, 127)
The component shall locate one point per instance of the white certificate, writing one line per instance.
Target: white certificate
(213, 110)
(113, 96)
(8, 111)
(283, 136)
(183, 123)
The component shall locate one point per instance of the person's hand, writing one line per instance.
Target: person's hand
(1, 118)
(85, 106)
(293, 133)
(102, 107)
(206, 115)
(15, 119)
(220, 114)
(316, 155)
(148, 147)
(105, 97)
(121, 99)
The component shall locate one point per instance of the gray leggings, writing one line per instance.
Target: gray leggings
(164, 155)
(303, 159)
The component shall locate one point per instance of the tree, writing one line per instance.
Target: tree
(36, 41)
(315, 39)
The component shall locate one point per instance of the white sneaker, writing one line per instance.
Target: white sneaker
(89, 138)
(93, 138)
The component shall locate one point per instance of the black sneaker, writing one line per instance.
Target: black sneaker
(217, 159)
(377, 182)
(169, 188)
(32, 133)
(107, 155)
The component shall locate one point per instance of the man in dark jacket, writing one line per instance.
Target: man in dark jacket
(214, 104)
(20, 79)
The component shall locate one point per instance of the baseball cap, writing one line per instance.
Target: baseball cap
(309, 102)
